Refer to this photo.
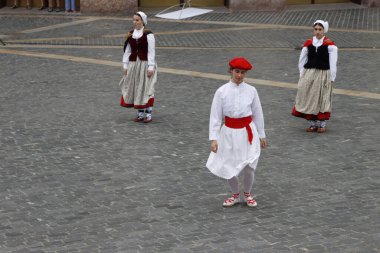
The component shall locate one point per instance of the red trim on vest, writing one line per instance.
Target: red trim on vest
(149, 104)
(240, 123)
(308, 43)
(319, 116)
(328, 42)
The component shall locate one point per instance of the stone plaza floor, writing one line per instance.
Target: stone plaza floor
(78, 175)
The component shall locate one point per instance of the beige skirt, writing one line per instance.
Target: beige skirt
(136, 87)
(314, 94)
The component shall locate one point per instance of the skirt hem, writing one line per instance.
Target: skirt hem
(319, 116)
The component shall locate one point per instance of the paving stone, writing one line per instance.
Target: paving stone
(77, 175)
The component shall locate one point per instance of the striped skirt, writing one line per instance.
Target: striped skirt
(136, 87)
(314, 95)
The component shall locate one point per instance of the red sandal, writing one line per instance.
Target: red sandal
(232, 201)
(251, 202)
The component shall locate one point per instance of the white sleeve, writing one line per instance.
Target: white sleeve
(126, 55)
(151, 51)
(302, 60)
(258, 116)
(333, 58)
(216, 116)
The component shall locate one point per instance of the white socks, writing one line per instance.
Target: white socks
(317, 123)
(249, 177)
(141, 113)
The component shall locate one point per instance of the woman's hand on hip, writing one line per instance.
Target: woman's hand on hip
(214, 146)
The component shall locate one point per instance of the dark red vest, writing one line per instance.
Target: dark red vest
(139, 47)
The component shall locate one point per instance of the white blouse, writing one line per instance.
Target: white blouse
(235, 101)
(333, 57)
(151, 49)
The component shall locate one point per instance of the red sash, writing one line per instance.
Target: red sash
(240, 123)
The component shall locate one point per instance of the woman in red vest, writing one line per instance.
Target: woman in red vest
(236, 144)
(140, 75)
(317, 66)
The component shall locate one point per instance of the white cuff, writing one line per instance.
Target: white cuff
(213, 137)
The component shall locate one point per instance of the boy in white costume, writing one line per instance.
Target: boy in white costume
(236, 144)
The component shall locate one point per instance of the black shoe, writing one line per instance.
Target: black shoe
(14, 7)
(50, 9)
(57, 10)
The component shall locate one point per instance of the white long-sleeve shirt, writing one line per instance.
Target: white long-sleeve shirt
(235, 101)
(151, 49)
(333, 56)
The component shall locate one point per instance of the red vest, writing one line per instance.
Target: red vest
(139, 47)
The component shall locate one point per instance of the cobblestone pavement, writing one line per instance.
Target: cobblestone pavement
(77, 175)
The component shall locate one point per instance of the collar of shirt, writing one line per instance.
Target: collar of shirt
(318, 42)
(235, 84)
(137, 33)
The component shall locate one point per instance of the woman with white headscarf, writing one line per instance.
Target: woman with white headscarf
(317, 67)
(140, 75)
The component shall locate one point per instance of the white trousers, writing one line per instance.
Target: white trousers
(249, 177)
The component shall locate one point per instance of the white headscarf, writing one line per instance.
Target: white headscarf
(325, 25)
(143, 16)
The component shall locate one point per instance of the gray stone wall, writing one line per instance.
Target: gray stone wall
(249, 5)
(371, 3)
(108, 6)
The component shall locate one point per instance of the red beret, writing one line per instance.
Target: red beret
(240, 63)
